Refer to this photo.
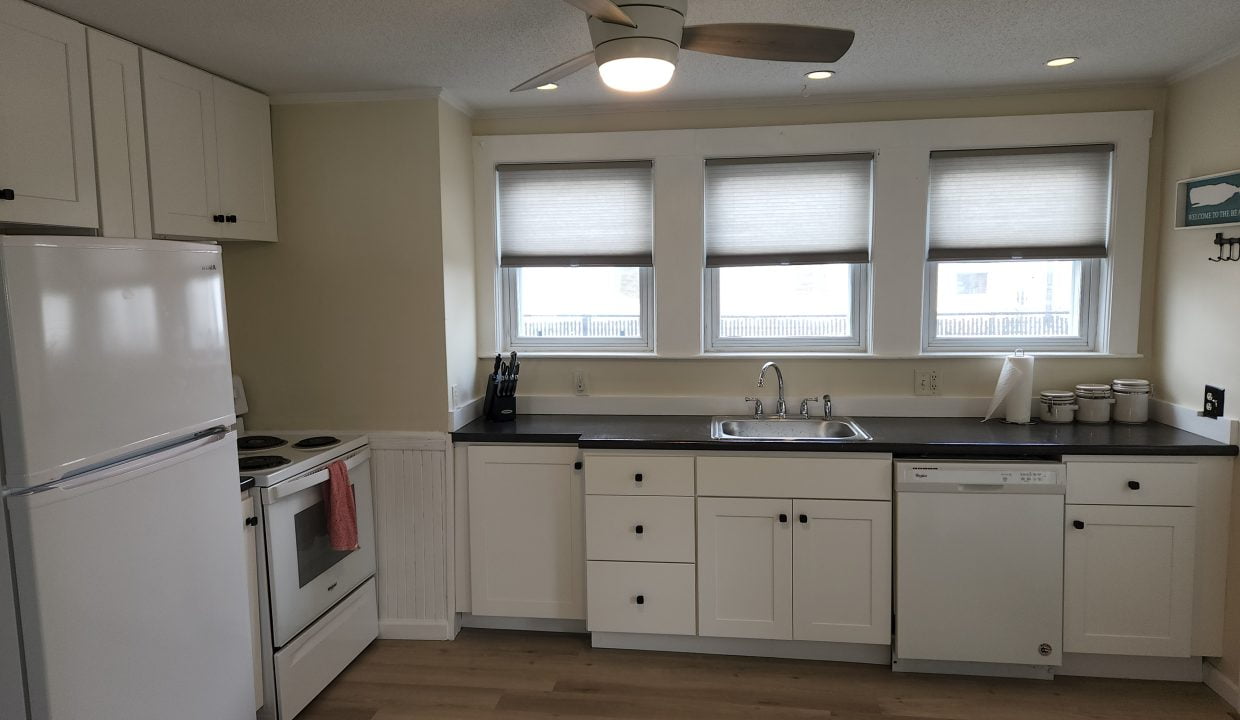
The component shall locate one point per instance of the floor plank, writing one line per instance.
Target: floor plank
(487, 674)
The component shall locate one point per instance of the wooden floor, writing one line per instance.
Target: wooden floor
(528, 676)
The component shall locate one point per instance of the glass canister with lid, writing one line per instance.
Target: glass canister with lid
(1094, 403)
(1132, 400)
(1057, 406)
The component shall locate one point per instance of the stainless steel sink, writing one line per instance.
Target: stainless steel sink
(788, 429)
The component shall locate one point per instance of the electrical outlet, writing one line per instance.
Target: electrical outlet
(579, 383)
(1212, 407)
(926, 382)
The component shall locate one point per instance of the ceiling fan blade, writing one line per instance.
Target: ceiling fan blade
(558, 72)
(604, 10)
(768, 41)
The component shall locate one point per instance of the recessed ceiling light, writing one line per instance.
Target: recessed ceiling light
(548, 86)
(819, 74)
(1061, 61)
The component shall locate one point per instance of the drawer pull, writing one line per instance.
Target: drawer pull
(640, 599)
(577, 465)
(804, 519)
(637, 477)
(1134, 485)
(639, 529)
(217, 218)
(7, 194)
(1078, 524)
(783, 517)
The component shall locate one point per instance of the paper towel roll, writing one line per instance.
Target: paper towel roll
(1014, 391)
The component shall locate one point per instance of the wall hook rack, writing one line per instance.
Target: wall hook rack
(1232, 253)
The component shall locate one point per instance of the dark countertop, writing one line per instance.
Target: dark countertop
(927, 437)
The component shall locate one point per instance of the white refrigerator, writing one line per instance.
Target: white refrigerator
(125, 595)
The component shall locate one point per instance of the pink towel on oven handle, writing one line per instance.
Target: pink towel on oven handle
(341, 508)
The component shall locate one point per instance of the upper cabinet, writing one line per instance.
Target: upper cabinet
(47, 163)
(209, 143)
(120, 136)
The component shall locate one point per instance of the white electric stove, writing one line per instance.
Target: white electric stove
(271, 457)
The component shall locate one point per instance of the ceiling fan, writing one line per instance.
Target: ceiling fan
(637, 43)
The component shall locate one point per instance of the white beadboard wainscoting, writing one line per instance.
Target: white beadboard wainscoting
(414, 507)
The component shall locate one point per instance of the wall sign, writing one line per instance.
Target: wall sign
(1208, 201)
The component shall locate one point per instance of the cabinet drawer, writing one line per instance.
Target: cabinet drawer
(639, 475)
(655, 529)
(633, 597)
(834, 478)
(1157, 483)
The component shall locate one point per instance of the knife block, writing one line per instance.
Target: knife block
(500, 405)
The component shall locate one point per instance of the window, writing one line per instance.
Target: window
(1016, 242)
(787, 252)
(576, 250)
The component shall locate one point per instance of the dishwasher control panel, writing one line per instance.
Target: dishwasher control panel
(979, 474)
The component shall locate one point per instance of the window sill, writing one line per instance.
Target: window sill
(755, 355)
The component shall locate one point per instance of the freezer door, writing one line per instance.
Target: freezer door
(113, 347)
(132, 590)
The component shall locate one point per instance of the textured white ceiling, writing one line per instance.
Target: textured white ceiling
(477, 49)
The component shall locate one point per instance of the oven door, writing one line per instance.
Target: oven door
(307, 576)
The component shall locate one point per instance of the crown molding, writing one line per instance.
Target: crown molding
(1213, 59)
(413, 93)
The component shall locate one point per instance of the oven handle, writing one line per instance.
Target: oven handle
(292, 487)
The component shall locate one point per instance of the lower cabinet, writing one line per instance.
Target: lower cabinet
(795, 569)
(1128, 580)
(525, 532)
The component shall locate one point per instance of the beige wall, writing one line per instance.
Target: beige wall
(340, 325)
(1197, 337)
(960, 377)
(456, 178)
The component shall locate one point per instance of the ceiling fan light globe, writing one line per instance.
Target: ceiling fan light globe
(636, 74)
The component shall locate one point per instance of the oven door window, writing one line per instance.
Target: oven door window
(315, 555)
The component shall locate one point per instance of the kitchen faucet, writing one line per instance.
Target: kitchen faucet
(781, 409)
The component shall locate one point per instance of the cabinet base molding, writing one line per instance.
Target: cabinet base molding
(788, 649)
(1132, 667)
(954, 667)
(490, 622)
(1226, 687)
(415, 630)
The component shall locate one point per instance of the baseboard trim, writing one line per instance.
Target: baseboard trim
(415, 629)
(1225, 687)
(788, 649)
(1132, 667)
(535, 624)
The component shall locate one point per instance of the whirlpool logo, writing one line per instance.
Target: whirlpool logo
(210, 267)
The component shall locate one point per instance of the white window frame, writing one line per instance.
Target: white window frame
(857, 342)
(1091, 274)
(512, 313)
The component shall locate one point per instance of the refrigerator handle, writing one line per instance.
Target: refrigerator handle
(107, 472)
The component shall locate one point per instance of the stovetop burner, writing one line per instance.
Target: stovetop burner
(262, 462)
(317, 442)
(259, 442)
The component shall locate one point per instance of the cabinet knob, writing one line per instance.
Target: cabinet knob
(640, 599)
(783, 517)
(217, 218)
(1134, 485)
(577, 465)
(803, 518)
(230, 218)
(251, 521)
(7, 194)
(639, 529)
(637, 477)
(1078, 524)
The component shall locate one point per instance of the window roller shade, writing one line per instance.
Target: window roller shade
(1033, 203)
(587, 214)
(805, 210)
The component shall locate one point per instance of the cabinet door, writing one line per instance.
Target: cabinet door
(745, 568)
(46, 155)
(120, 136)
(841, 578)
(1128, 580)
(180, 129)
(527, 554)
(249, 518)
(243, 145)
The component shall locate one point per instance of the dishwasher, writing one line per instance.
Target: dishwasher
(979, 566)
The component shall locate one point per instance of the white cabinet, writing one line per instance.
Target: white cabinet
(841, 569)
(47, 162)
(526, 545)
(1128, 580)
(120, 136)
(745, 567)
(249, 519)
(209, 143)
